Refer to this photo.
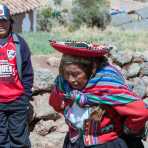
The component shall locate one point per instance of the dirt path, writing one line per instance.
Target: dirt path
(40, 61)
(49, 61)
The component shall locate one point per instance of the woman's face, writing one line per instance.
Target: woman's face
(75, 76)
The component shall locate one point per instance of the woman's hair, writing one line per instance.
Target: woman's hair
(87, 64)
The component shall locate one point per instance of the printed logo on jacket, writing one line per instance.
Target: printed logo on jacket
(11, 54)
(6, 69)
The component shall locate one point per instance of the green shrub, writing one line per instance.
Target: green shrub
(48, 17)
(44, 19)
(57, 2)
(92, 13)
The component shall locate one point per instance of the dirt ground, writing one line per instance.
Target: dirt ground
(40, 61)
(49, 61)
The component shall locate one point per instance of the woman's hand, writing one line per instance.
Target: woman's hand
(56, 99)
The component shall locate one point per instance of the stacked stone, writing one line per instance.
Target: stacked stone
(134, 67)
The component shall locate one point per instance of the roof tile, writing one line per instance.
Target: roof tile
(20, 6)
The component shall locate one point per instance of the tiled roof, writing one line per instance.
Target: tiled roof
(20, 6)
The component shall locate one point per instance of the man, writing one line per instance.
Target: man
(16, 79)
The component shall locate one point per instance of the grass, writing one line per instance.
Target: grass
(124, 40)
(38, 42)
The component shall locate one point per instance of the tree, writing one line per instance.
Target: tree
(91, 12)
(57, 2)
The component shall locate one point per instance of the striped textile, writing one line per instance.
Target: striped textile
(106, 87)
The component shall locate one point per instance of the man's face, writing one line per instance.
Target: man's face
(4, 28)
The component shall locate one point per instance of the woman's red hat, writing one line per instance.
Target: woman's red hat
(78, 48)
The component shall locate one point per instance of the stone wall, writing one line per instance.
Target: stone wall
(134, 67)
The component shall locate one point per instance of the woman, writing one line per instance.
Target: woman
(96, 103)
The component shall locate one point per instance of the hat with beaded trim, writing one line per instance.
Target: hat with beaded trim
(78, 48)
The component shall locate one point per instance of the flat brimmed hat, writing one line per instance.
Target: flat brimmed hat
(77, 48)
(4, 12)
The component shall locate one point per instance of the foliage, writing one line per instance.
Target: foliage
(48, 17)
(38, 42)
(91, 12)
(57, 2)
(124, 40)
(44, 19)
